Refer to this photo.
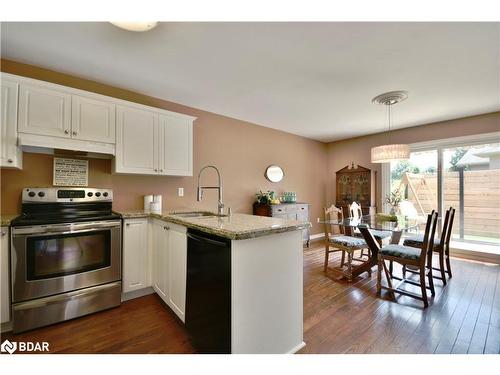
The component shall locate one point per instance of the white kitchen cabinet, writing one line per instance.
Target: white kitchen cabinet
(177, 262)
(136, 255)
(92, 119)
(169, 250)
(176, 146)
(44, 111)
(136, 141)
(4, 276)
(11, 154)
(160, 259)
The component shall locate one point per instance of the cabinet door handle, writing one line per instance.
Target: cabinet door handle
(166, 228)
(66, 131)
(4, 233)
(10, 160)
(161, 170)
(75, 133)
(156, 169)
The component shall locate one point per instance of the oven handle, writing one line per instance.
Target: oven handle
(65, 228)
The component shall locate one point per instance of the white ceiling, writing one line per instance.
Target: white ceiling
(312, 79)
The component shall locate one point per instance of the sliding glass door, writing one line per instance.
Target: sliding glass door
(463, 174)
(471, 184)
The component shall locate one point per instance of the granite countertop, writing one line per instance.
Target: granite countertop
(234, 227)
(6, 219)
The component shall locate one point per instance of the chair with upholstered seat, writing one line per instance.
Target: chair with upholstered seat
(355, 212)
(419, 258)
(441, 246)
(340, 242)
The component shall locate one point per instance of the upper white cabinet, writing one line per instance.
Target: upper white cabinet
(144, 140)
(44, 111)
(4, 275)
(92, 120)
(135, 255)
(136, 141)
(149, 143)
(11, 154)
(176, 146)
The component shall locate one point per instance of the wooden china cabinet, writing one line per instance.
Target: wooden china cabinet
(354, 184)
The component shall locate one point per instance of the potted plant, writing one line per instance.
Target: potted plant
(394, 199)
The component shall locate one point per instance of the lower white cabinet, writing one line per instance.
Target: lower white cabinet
(4, 276)
(170, 264)
(136, 255)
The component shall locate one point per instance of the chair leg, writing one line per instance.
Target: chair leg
(349, 265)
(431, 279)
(388, 275)
(448, 265)
(391, 267)
(404, 271)
(327, 255)
(422, 286)
(379, 276)
(342, 259)
(441, 267)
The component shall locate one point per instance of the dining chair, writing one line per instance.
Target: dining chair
(441, 246)
(340, 242)
(406, 256)
(356, 212)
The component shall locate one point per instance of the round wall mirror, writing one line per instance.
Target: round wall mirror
(274, 173)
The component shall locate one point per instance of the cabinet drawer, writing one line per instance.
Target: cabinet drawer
(302, 207)
(290, 208)
(278, 209)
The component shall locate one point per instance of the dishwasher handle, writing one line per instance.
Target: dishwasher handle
(205, 239)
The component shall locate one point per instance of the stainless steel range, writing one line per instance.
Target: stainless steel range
(65, 256)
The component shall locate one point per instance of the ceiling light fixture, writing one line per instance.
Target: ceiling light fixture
(136, 26)
(390, 152)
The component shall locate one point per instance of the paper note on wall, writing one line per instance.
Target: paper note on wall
(71, 172)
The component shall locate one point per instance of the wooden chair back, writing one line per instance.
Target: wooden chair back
(449, 227)
(428, 242)
(332, 213)
(355, 210)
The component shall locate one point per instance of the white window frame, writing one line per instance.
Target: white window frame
(439, 145)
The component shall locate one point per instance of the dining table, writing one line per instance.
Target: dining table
(397, 225)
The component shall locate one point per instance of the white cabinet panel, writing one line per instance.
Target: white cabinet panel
(11, 155)
(160, 259)
(44, 111)
(4, 276)
(136, 141)
(177, 254)
(135, 255)
(176, 146)
(92, 120)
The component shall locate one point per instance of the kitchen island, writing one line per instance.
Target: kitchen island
(258, 305)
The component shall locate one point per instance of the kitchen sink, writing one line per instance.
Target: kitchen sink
(195, 214)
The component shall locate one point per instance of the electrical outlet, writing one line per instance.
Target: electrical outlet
(180, 192)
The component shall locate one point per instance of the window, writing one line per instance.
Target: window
(463, 173)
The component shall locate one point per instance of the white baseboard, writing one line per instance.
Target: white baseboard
(137, 293)
(317, 236)
(296, 348)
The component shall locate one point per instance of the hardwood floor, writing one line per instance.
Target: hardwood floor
(339, 317)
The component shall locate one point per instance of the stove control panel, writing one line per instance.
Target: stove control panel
(61, 195)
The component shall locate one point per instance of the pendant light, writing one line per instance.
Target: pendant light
(390, 152)
(136, 26)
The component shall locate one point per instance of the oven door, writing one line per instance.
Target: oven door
(58, 258)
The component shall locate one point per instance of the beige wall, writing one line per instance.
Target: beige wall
(241, 150)
(357, 150)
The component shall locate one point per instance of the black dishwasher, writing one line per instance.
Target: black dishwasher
(208, 292)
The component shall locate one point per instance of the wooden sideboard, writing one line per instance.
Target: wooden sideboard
(290, 211)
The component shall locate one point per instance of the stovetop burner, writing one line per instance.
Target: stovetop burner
(65, 205)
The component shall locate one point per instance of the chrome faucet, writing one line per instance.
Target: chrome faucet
(220, 205)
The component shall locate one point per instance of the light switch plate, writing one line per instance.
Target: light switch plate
(180, 192)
